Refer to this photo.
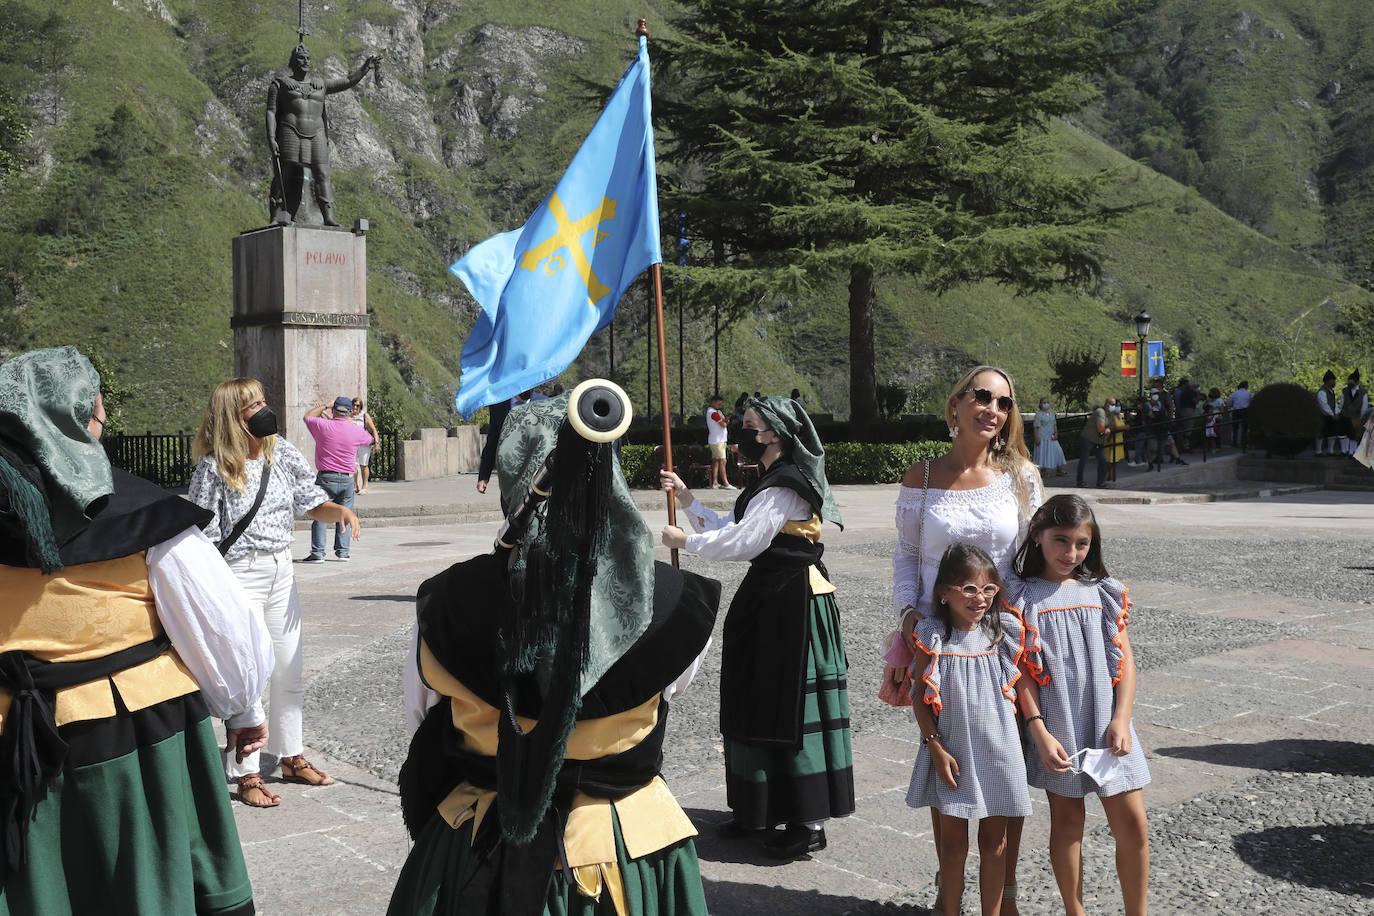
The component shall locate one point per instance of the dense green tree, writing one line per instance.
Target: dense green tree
(853, 138)
(1075, 370)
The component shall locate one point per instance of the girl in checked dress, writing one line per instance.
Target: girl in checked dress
(1079, 721)
(970, 764)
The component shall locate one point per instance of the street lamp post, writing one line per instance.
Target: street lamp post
(1142, 361)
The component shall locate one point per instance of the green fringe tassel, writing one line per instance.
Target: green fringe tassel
(553, 622)
(26, 502)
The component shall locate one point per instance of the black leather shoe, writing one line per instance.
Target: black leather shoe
(795, 841)
(734, 830)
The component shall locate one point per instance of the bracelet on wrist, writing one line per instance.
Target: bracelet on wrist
(926, 739)
(1030, 719)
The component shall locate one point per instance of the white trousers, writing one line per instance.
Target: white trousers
(271, 586)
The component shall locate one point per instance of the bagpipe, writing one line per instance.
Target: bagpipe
(599, 412)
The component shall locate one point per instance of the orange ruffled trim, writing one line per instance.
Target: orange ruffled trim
(932, 694)
(1126, 605)
(1009, 690)
(1031, 653)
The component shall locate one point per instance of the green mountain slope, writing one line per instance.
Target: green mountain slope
(147, 157)
(1264, 107)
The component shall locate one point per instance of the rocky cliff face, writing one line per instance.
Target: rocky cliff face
(493, 77)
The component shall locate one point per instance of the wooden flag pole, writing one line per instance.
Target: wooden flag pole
(663, 395)
(643, 29)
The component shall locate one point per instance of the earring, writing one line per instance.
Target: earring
(954, 432)
(998, 444)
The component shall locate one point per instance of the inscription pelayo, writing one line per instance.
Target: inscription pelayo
(327, 258)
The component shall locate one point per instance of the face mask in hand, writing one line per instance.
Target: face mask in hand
(750, 446)
(1098, 764)
(262, 424)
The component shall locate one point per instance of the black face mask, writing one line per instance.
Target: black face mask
(263, 423)
(751, 448)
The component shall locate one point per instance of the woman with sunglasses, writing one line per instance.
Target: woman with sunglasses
(237, 445)
(983, 491)
(784, 700)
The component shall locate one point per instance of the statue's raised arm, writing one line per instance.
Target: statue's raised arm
(348, 82)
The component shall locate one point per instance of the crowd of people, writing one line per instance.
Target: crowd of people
(541, 674)
(1160, 427)
(1165, 425)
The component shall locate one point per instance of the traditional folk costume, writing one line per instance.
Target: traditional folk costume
(111, 786)
(532, 785)
(784, 697)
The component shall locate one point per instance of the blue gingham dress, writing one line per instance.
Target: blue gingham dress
(1075, 627)
(968, 684)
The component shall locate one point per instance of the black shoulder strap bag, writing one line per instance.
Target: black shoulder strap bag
(242, 526)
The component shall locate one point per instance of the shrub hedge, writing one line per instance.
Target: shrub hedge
(845, 462)
(1284, 418)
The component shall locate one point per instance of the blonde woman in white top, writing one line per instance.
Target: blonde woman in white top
(236, 445)
(981, 492)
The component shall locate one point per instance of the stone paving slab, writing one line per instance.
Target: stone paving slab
(1257, 659)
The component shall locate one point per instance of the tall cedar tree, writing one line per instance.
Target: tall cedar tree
(810, 140)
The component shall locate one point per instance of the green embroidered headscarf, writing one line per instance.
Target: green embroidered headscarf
(46, 401)
(786, 417)
(623, 587)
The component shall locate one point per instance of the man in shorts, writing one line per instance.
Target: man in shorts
(716, 425)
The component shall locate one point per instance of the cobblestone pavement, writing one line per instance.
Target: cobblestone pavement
(1255, 641)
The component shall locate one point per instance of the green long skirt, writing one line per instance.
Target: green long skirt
(138, 824)
(663, 883)
(766, 785)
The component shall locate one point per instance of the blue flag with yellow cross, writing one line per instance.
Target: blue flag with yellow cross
(548, 286)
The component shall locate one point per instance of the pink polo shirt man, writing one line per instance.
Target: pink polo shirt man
(336, 439)
(336, 450)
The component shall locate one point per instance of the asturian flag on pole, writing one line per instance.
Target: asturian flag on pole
(1155, 351)
(547, 287)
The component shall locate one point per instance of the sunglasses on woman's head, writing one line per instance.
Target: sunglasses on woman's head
(984, 397)
(973, 591)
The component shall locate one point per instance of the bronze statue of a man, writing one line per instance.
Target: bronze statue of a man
(298, 134)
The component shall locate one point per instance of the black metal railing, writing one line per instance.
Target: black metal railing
(1186, 434)
(384, 453)
(165, 459)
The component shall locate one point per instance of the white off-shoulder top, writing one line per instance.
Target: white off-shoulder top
(988, 517)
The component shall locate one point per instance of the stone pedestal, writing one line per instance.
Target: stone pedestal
(300, 318)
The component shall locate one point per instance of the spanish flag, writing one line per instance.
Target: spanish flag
(1128, 359)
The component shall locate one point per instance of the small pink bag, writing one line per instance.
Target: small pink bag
(896, 687)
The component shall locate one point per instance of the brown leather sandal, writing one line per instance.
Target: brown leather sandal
(265, 798)
(298, 769)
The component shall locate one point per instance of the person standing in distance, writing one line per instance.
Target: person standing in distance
(716, 426)
(1091, 441)
(362, 419)
(1238, 405)
(336, 451)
